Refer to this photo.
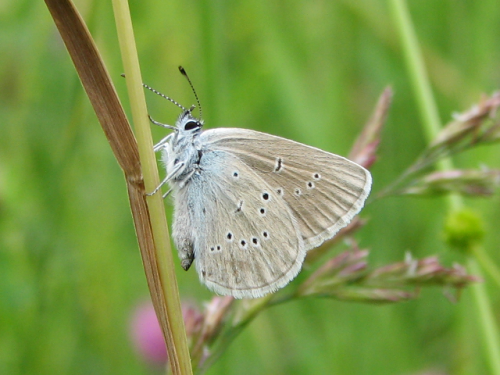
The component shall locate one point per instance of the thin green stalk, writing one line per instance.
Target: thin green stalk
(420, 83)
(487, 264)
(432, 126)
(490, 329)
(418, 75)
(179, 359)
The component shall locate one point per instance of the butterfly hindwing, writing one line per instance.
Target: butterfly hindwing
(324, 191)
(245, 238)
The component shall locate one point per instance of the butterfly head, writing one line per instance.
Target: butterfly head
(187, 124)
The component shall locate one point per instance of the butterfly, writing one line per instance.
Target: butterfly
(249, 205)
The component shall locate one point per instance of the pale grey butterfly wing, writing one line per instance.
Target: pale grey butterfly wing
(324, 191)
(245, 238)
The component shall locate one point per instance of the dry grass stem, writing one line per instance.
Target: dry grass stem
(109, 111)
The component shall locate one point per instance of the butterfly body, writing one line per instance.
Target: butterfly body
(248, 205)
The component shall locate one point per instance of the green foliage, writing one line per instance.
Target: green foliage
(312, 71)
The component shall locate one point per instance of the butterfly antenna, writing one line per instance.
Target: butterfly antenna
(184, 73)
(162, 95)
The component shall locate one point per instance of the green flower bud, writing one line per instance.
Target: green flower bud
(463, 229)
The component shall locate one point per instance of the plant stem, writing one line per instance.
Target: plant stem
(490, 329)
(487, 264)
(173, 322)
(432, 126)
(418, 76)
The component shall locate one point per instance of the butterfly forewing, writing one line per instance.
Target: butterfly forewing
(250, 243)
(324, 191)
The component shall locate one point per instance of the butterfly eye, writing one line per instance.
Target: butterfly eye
(190, 125)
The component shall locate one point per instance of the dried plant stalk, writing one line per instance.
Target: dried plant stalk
(109, 111)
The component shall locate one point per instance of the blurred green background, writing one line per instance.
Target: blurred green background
(70, 270)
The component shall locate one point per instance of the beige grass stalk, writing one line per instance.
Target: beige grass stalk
(166, 269)
(149, 217)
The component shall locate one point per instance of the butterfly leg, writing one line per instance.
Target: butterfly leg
(162, 125)
(159, 146)
(166, 179)
(181, 185)
(186, 179)
(167, 194)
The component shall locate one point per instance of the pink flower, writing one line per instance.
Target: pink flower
(147, 335)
